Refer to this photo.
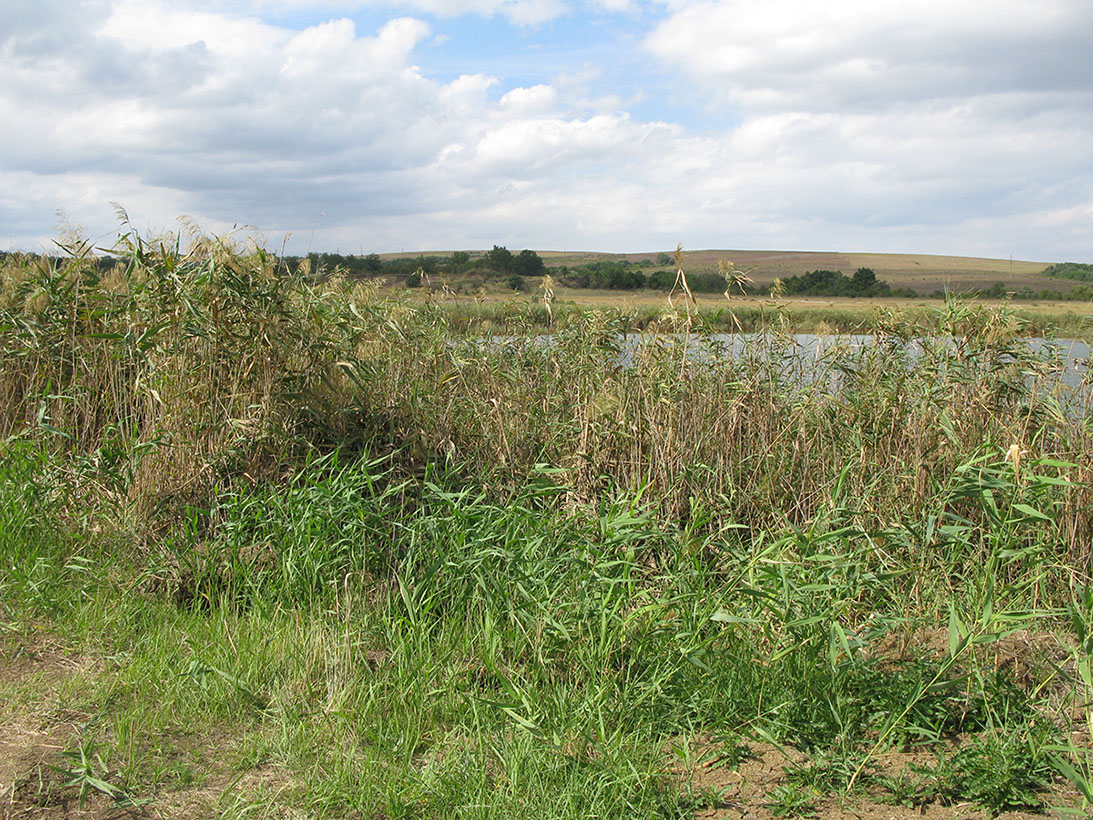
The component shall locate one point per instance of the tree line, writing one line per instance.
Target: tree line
(1078, 271)
(863, 283)
(499, 260)
(625, 275)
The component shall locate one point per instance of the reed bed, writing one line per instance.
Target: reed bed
(445, 564)
(180, 372)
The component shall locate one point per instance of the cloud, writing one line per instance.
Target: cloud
(535, 100)
(863, 115)
(862, 54)
(853, 126)
(232, 118)
(519, 12)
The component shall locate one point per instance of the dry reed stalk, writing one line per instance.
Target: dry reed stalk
(681, 281)
(182, 369)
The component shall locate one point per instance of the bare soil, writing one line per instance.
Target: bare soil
(745, 780)
(36, 727)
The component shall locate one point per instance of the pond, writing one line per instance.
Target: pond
(1060, 367)
(1067, 359)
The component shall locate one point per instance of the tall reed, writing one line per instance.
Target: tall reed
(430, 562)
(185, 369)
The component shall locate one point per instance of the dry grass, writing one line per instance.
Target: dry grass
(185, 370)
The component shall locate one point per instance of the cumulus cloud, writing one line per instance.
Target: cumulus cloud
(232, 118)
(852, 125)
(520, 12)
(862, 54)
(930, 114)
(532, 100)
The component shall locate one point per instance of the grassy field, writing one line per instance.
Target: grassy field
(923, 273)
(280, 547)
(494, 301)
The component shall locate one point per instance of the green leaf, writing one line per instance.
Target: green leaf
(1080, 781)
(726, 618)
(1031, 512)
(102, 786)
(957, 633)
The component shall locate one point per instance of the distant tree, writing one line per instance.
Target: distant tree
(578, 278)
(528, 263)
(372, 263)
(499, 259)
(661, 279)
(864, 280)
(707, 282)
(460, 260)
(664, 259)
(1070, 270)
(614, 275)
(817, 283)
(414, 280)
(516, 282)
(426, 264)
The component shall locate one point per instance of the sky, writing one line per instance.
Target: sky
(958, 127)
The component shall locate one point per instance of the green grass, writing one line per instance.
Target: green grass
(304, 548)
(513, 660)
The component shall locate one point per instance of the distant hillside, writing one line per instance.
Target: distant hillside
(921, 273)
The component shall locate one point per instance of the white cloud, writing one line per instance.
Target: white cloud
(160, 26)
(528, 147)
(859, 115)
(854, 125)
(535, 100)
(251, 122)
(860, 53)
(519, 12)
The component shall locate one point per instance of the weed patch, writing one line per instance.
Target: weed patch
(340, 554)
